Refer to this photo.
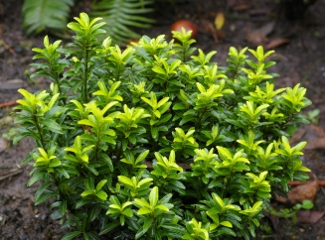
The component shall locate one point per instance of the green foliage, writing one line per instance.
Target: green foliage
(312, 116)
(155, 142)
(291, 212)
(40, 15)
(120, 16)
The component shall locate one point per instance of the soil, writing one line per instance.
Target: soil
(294, 29)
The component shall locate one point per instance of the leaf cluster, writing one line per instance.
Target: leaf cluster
(156, 141)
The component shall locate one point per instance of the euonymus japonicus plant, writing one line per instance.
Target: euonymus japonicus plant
(156, 141)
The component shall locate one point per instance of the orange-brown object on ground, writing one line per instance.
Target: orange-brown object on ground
(188, 25)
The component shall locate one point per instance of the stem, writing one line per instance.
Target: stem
(38, 127)
(85, 77)
(201, 114)
(117, 77)
(97, 148)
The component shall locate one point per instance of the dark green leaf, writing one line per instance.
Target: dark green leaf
(38, 175)
(71, 235)
(109, 227)
(45, 196)
(147, 224)
(53, 126)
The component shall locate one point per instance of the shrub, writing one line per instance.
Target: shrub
(155, 141)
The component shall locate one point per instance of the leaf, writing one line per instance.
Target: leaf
(276, 43)
(53, 126)
(45, 196)
(127, 212)
(101, 184)
(147, 224)
(309, 216)
(316, 144)
(141, 157)
(71, 235)
(142, 203)
(121, 16)
(126, 181)
(187, 119)
(226, 224)
(55, 163)
(153, 197)
(109, 227)
(38, 175)
(143, 211)
(87, 193)
(107, 160)
(219, 21)
(43, 14)
(300, 193)
(257, 38)
(102, 195)
(162, 207)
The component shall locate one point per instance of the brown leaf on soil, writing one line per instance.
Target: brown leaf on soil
(298, 135)
(267, 28)
(309, 216)
(257, 38)
(306, 191)
(239, 5)
(308, 133)
(316, 144)
(274, 43)
(297, 183)
(318, 130)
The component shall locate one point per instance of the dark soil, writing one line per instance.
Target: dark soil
(300, 60)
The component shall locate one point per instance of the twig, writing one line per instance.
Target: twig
(7, 47)
(9, 173)
(8, 104)
(213, 32)
(5, 44)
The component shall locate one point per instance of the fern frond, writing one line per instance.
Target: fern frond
(45, 14)
(121, 15)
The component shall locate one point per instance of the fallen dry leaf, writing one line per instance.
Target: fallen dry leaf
(309, 133)
(318, 130)
(298, 135)
(316, 144)
(257, 38)
(297, 183)
(239, 5)
(258, 11)
(309, 216)
(267, 28)
(306, 191)
(274, 43)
